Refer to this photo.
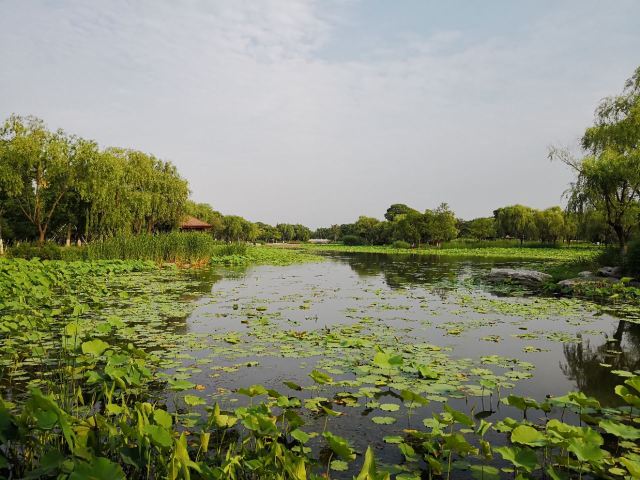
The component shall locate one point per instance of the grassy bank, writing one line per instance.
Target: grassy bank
(561, 254)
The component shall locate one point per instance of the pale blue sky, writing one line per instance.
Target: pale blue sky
(318, 111)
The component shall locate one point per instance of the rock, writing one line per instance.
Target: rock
(614, 272)
(585, 274)
(527, 278)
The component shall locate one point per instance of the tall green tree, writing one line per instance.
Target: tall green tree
(440, 225)
(482, 228)
(550, 224)
(608, 175)
(39, 167)
(516, 221)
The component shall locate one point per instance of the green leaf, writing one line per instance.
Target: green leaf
(253, 391)
(427, 373)
(99, 468)
(340, 446)
(526, 435)
(369, 470)
(524, 458)
(194, 400)
(301, 436)
(339, 466)
(320, 377)
(632, 465)
(412, 397)
(388, 361)
(620, 429)
(383, 420)
(94, 347)
(159, 435)
(586, 451)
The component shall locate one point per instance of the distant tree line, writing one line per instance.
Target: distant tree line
(233, 228)
(405, 224)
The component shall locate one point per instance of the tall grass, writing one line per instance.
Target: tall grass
(174, 247)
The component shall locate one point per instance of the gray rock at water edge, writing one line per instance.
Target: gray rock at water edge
(528, 278)
(614, 272)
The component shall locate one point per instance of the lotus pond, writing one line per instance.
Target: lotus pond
(364, 365)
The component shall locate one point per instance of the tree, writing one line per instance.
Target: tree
(233, 228)
(398, 209)
(365, 228)
(515, 221)
(482, 228)
(608, 176)
(550, 224)
(39, 167)
(440, 225)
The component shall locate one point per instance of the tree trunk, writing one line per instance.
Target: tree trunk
(68, 242)
(42, 235)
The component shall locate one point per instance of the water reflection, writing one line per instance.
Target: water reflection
(590, 366)
(405, 270)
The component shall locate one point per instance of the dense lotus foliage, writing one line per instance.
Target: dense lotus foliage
(99, 381)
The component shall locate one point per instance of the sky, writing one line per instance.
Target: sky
(316, 112)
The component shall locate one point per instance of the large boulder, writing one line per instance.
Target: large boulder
(527, 278)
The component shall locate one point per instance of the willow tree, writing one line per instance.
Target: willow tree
(608, 175)
(39, 168)
(517, 221)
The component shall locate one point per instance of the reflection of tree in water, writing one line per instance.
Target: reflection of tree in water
(584, 362)
(405, 270)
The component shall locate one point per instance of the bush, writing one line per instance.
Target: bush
(400, 244)
(352, 240)
(229, 249)
(48, 251)
(633, 259)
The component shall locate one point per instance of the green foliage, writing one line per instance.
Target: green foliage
(98, 415)
(608, 176)
(174, 247)
(564, 254)
(400, 244)
(47, 251)
(633, 259)
(351, 240)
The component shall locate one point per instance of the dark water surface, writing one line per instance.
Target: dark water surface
(249, 324)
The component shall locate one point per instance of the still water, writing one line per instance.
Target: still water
(270, 324)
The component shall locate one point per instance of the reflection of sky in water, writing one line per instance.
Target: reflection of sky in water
(421, 300)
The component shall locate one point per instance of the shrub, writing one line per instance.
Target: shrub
(229, 249)
(352, 240)
(400, 244)
(48, 251)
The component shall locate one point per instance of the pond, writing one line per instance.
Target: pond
(350, 334)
